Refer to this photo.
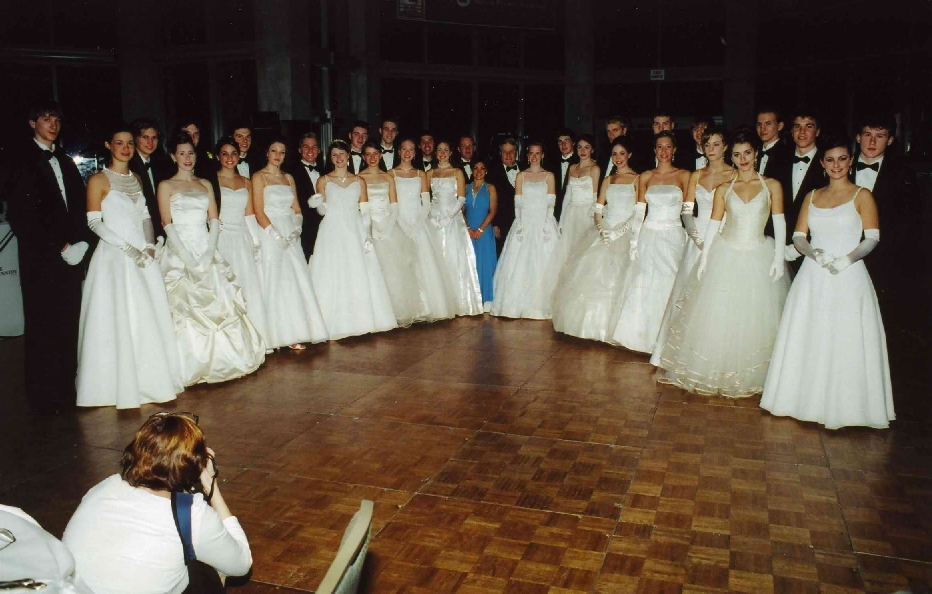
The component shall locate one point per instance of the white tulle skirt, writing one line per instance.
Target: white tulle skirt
(528, 252)
(723, 329)
(397, 255)
(236, 247)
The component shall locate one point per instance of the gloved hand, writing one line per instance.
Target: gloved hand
(254, 229)
(689, 223)
(316, 201)
(295, 236)
(208, 256)
(280, 241)
(790, 253)
(778, 267)
(867, 245)
(636, 220)
(711, 232)
(75, 253)
(178, 248)
(597, 215)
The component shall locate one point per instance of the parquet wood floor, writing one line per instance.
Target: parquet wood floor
(503, 457)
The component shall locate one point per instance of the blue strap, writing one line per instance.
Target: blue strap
(181, 510)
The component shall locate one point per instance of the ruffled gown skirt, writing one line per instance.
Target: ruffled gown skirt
(236, 247)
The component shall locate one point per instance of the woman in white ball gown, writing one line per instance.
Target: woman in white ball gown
(126, 346)
(530, 244)
(413, 192)
(830, 361)
(702, 184)
(345, 269)
(216, 339)
(656, 246)
(591, 278)
(396, 251)
(722, 332)
(450, 234)
(293, 315)
(239, 231)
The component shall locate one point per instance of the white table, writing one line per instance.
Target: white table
(11, 294)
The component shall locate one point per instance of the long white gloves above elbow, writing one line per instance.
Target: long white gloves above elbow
(95, 221)
(867, 245)
(778, 268)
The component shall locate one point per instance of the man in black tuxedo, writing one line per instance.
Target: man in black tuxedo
(358, 136)
(48, 214)
(150, 164)
(693, 158)
(425, 160)
(503, 175)
(615, 126)
(249, 160)
(388, 132)
(463, 158)
(776, 155)
(802, 174)
(306, 173)
(566, 143)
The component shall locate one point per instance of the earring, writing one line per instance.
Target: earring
(824, 173)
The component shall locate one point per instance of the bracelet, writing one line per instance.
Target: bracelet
(480, 230)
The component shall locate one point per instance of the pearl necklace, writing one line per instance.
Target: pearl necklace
(123, 182)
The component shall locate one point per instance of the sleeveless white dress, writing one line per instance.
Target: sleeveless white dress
(345, 270)
(236, 247)
(397, 256)
(216, 340)
(582, 302)
(291, 309)
(527, 254)
(451, 237)
(638, 309)
(434, 283)
(722, 332)
(126, 342)
(690, 258)
(830, 362)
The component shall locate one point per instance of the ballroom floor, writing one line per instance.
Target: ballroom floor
(503, 457)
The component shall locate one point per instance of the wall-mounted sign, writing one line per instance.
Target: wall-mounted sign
(523, 14)
(658, 74)
(412, 10)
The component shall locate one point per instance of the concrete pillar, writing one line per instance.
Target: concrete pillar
(282, 57)
(365, 90)
(580, 76)
(740, 61)
(140, 77)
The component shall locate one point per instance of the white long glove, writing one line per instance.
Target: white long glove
(636, 220)
(547, 234)
(254, 230)
(424, 211)
(867, 245)
(74, 253)
(381, 229)
(805, 248)
(517, 225)
(95, 221)
(178, 247)
(778, 268)
(597, 216)
(149, 232)
(457, 208)
(295, 236)
(711, 232)
(208, 256)
(689, 222)
(365, 209)
(280, 241)
(317, 202)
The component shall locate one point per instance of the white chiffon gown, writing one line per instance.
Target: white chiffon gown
(215, 338)
(830, 362)
(397, 257)
(451, 237)
(237, 248)
(345, 270)
(638, 309)
(528, 251)
(126, 343)
(582, 302)
(434, 284)
(722, 331)
(690, 258)
(292, 312)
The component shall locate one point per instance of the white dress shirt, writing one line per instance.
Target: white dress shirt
(314, 175)
(866, 178)
(357, 162)
(800, 169)
(124, 540)
(701, 160)
(427, 164)
(565, 165)
(765, 157)
(467, 168)
(511, 175)
(145, 161)
(56, 167)
(243, 167)
(388, 158)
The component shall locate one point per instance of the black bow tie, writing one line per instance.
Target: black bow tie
(511, 168)
(699, 155)
(467, 164)
(565, 159)
(355, 153)
(146, 166)
(798, 159)
(310, 167)
(389, 151)
(874, 166)
(48, 154)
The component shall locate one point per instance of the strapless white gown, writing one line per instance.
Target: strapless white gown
(345, 270)
(451, 237)
(126, 343)
(397, 257)
(690, 258)
(722, 333)
(292, 312)
(236, 247)
(528, 251)
(216, 339)
(582, 302)
(639, 306)
(830, 363)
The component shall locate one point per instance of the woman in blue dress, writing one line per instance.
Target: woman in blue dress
(481, 206)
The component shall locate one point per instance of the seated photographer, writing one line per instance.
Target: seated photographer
(124, 536)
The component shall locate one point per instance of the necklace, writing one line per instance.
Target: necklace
(342, 179)
(123, 182)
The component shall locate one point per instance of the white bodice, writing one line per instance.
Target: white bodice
(189, 217)
(378, 200)
(444, 194)
(836, 230)
(704, 204)
(580, 190)
(233, 206)
(619, 200)
(664, 206)
(746, 220)
(277, 200)
(342, 200)
(535, 203)
(124, 215)
(408, 191)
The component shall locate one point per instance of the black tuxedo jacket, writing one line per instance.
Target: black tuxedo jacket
(687, 158)
(457, 161)
(554, 165)
(778, 158)
(418, 161)
(305, 189)
(505, 216)
(397, 159)
(161, 168)
(814, 179)
(254, 160)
